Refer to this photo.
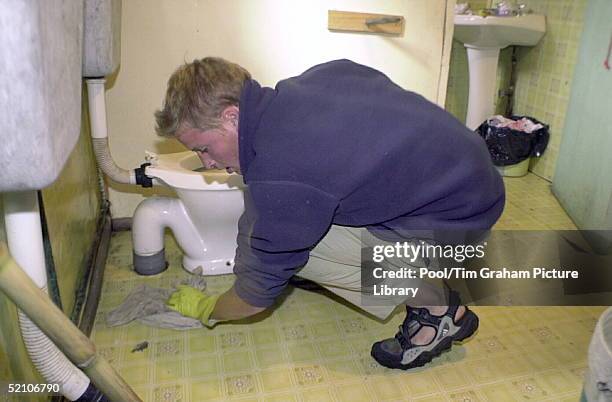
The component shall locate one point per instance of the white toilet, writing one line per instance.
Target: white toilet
(204, 219)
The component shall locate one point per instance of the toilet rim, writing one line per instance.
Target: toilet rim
(177, 170)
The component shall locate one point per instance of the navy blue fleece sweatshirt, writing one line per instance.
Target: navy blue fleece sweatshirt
(342, 144)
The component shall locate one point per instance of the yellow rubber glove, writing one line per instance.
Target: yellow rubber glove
(193, 303)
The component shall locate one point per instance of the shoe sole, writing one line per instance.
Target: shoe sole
(469, 325)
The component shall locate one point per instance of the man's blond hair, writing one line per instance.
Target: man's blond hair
(197, 94)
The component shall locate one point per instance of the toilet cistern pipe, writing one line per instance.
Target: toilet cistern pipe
(99, 134)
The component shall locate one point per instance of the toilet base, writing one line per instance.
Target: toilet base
(148, 265)
(155, 214)
(208, 267)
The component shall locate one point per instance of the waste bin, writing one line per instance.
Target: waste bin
(516, 170)
(512, 141)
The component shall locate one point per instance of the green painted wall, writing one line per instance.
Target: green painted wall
(583, 178)
(72, 206)
(543, 73)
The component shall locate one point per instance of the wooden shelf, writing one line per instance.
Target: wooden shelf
(348, 21)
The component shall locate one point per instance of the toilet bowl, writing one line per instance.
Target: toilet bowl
(204, 218)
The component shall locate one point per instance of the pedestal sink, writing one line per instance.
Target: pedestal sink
(483, 38)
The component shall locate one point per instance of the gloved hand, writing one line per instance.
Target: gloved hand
(193, 303)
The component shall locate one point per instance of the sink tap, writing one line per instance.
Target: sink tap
(505, 9)
(523, 10)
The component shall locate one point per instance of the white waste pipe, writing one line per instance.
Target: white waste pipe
(24, 238)
(155, 214)
(99, 133)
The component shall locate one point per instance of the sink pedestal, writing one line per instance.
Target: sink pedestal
(483, 37)
(482, 64)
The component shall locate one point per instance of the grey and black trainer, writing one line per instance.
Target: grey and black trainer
(399, 352)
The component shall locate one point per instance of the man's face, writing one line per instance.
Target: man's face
(218, 147)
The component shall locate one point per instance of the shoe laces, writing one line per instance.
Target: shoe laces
(403, 341)
(407, 331)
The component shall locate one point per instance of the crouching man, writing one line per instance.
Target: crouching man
(335, 158)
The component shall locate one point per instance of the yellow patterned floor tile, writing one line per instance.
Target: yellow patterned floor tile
(309, 375)
(200, 343)
(170, 393)
(499, 392)
(334, 349)
(341, 370)
(385, 388)
(326, 329)
(431, 398)
(168, 371)
(280, 397)
(465, 396)
(513, 364)
(108, 336)
(419, 383)
(324, 394)
(203, 366)
(241, 385)
(233, 340)
(270, 357)
(354, 392)
(137, 333)
(265, 336)
(168, 348)
(573, 397)
(302, 352)
(205, 389)
(143, 392)
(451, 377)
(133, 356)
(483, 370)
(136, 374)
(236, 362)
(276, 380)
(560, 381)
(530, 388)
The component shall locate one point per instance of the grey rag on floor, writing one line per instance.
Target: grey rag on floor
(147, 305)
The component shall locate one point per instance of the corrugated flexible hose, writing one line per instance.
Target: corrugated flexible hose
(50, 362)
(108, 165)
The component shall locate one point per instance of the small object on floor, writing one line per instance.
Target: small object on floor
(140, 347)
(147, 305)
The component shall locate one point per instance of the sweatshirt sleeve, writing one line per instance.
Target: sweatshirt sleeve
(282, 222)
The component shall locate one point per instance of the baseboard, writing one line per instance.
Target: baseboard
(122, 224)
(91, 286)
(96, 276)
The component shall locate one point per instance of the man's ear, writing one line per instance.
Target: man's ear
(231, 114)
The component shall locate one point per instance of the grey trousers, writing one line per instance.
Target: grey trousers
(335, 264)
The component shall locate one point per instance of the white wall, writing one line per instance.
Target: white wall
(273, 39)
